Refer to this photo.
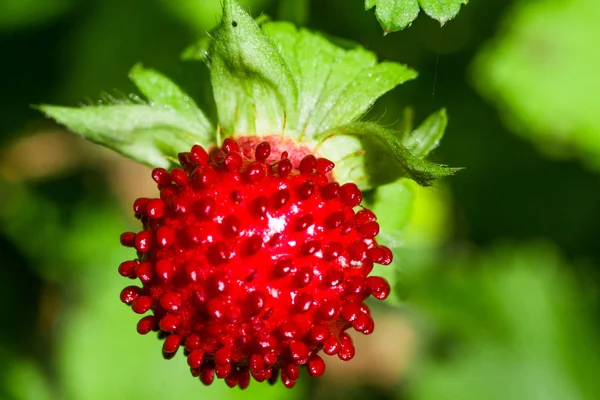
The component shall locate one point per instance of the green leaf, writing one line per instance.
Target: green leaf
(152, 135)
(336, 86)
(428, 135)
(542, 74)
(518, 315)
(16, 14)
(442, 10)
(266, 79)
(395, 15)
(160, 90)
(283, 79)
(378, 142)
(23, 378)
(357, 97)
(392, 215)
(200, 50)
(253, 86)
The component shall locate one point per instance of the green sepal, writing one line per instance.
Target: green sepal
(270, 78)
(336, 86)
(253, 86)
(380, 156)
(200, 49)
(160, 90)
(152, 135)
(395, 15)
(275, 78)
(428, 135)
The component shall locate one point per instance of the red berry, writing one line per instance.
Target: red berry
(127, 268)
(128, 239)
(146, 324)
(199, 155)
(144, 241)
(142, 304)
(170, 345)
(263, 150)
(284, 167)
(195, 358)
(307, 164)
(230, 145)
(161, 176)
(324, 166)
(130, 294)
(316, 366)
(254, 260)
(233, 161)
(350, 194)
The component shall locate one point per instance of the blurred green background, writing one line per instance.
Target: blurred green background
(496, 270)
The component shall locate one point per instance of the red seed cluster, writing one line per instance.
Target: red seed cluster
(253, 264)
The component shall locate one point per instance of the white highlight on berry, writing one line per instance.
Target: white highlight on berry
(276, 225)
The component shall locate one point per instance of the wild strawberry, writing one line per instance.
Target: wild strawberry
(253, 260)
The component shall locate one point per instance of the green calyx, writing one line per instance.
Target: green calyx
(269, 79)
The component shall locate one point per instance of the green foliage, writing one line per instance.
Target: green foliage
(393, 204)
(442, 10)
(24, 379)
(284, 79)
(336, 86)
(395, 15)
(541, 71)
(428, 135)
(159, 90)
(18, 13)
(420, 170)
(492, 322)
(517, 328)
(149, 134)
(59, 244)
(253, 87)
(265, 79)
